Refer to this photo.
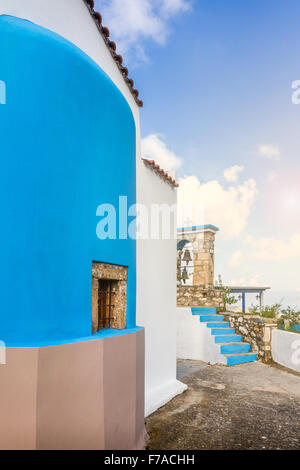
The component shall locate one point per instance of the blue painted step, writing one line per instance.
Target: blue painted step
(237, 348)
(231, 345)
(223, 331)
(220, 324)
(214, 318)
(241, 358)
(204, 311)
(228, 339)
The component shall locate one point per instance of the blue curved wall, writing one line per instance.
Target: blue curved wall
(67, 146)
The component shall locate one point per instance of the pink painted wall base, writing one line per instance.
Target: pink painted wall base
(86, 395)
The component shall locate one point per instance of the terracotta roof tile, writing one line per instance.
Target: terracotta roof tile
(112, 45)
(161, 172)
(112, 48)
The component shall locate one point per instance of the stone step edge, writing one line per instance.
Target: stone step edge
(224, 328)
(209, 315)
(210, 321)
(226, 334)
(240, 354)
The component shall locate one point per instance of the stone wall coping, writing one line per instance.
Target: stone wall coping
(198, 287)
(255, 330)
(269, 321)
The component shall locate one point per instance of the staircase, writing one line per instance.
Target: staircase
(223, 345)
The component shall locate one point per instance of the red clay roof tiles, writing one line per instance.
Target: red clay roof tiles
(112, 48)
(161, 172)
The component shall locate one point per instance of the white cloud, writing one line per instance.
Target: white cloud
(228, 209)
(175, 6)
(272, 152)
(205, 203)
(272, 176)
(266, 249)
(272, 249)
(154, 148)
(236, 259)
(232, 174)
(133, 21)
(253, 281)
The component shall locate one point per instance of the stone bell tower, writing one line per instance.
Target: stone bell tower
(195, 267)
(202, 241)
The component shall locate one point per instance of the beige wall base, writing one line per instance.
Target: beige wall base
(87, 395)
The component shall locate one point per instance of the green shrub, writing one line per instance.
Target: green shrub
(268, 311)
(254, 310)
(228, 298)
(287, 318)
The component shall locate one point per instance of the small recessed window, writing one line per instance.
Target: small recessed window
(109, 296)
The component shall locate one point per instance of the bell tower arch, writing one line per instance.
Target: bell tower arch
(201, 240)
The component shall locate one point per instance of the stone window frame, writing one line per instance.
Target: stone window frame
(110, 272)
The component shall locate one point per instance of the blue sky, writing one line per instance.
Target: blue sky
(215, 77)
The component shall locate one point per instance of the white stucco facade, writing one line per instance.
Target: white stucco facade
(156, 297)
(194, 339)
(286, 349)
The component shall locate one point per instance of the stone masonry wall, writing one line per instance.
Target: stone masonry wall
(255, 330)
(199, 296)
(204, 260)
(203, 257)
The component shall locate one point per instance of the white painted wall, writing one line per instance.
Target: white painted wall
(156, 297)
(72, 20)
(286, 349)
(194, 339)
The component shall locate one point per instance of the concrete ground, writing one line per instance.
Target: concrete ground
(249, 406)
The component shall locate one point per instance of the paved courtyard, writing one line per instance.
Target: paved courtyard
(249, 406)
